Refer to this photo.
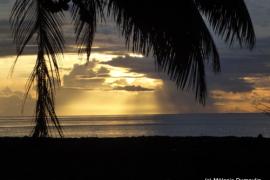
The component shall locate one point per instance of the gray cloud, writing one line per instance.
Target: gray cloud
(11, 103)
(144, 65)
(231, 79)
(173, 100)
(83, 76)
(229, 83)
(132, 88)
(107, 36)
(260, 13)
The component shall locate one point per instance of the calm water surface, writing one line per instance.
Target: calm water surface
(148, 125)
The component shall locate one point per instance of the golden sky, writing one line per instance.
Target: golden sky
(117, 81)
(101, 87)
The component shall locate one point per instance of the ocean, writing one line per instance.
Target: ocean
(148, 125)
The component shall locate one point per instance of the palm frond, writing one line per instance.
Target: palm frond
(176, 35)
(85, 15)
(35, 18)
(229, 19)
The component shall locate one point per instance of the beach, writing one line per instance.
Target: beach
(150, 158)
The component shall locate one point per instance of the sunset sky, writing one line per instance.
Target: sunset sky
(117, 81)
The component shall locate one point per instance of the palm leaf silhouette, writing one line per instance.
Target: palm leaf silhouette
(178, 37)
(179, 51)
(229, 19)
(175, 33)
(85, 14)
(42, 19)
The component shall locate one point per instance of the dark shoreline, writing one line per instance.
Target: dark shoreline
(150, 158)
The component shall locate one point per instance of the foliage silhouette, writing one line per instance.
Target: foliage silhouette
(174, 33)
(38, 17)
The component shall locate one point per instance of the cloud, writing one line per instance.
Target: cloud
(107, 37)
(145, 65)
(11, 103)
(229, 83)
(236, 65)
(94, 76)
(132, 88)
(173, 100)
(231, 79)
(3, 2)
(84, 77)
(260, 13)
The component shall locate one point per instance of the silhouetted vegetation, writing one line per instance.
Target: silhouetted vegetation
(155, 158)
(175, 33)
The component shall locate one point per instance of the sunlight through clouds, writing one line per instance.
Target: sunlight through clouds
(117, 81)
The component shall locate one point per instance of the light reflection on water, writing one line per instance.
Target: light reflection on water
(149, 125)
